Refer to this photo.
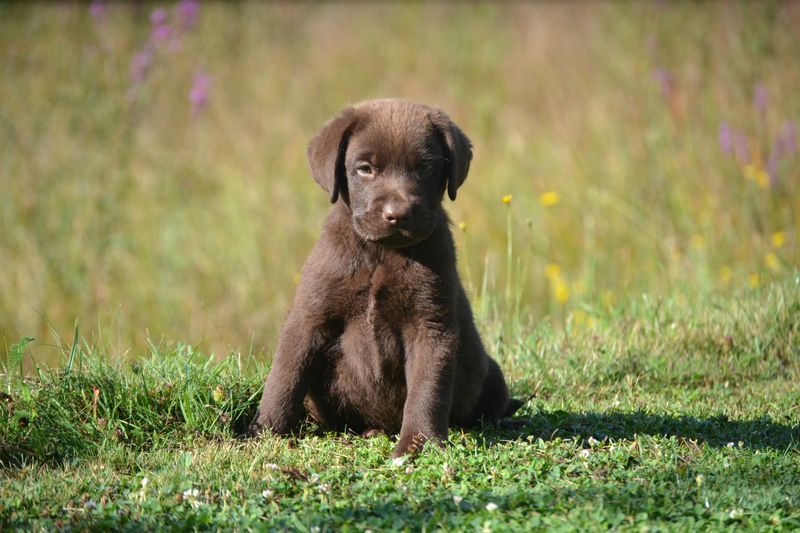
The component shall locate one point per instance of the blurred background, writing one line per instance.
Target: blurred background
(155, 188)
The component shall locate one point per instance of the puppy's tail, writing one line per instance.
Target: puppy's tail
(514, 404)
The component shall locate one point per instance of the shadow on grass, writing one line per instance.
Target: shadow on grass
(717, 431)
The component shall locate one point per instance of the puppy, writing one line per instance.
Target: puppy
(380, 337)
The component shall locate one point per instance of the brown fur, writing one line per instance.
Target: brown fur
(380, 337)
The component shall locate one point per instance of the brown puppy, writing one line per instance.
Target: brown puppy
(381, 336)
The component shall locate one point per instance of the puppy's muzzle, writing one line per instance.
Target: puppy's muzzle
(395, 223)
(397, 213)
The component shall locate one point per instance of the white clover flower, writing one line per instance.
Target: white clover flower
(190, 495)
(457, 499)
(266, 494)
(398, 461)
(491, 506)
(735, 513)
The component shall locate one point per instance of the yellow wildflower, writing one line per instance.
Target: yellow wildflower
(549, 198)
(778, 239)
(561, 290)
(218, 394)
(772, 262)
(462, 226)
(552, 271)
(698, 242)
(506, 199)
(753, 280)
(762, 178)
(756, 173)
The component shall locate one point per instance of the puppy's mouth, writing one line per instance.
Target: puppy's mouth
(401, 239)
(392, 236)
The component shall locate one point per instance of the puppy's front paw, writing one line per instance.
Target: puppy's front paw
(412, 443)
(263, 422)
(256, 426)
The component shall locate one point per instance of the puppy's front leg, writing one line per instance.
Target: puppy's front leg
(281, 409)
(430, 376)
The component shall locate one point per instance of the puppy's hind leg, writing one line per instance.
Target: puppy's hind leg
(494, 403)
(296, 360)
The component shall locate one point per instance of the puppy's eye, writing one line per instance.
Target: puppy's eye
(365, 170)
(425, 170)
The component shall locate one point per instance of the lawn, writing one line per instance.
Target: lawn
(665, 413)
(628, 237)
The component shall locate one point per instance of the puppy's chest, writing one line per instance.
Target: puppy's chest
(395, 296)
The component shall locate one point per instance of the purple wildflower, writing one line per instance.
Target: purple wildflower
(725, 138)
(760, 97)
(158, 17)
(97, 9)
(187, 13)
(741, 147)
(161, 32)
(140, 66)
(198, 95)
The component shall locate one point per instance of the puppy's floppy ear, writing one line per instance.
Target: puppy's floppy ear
(326, 154)
(458, 151)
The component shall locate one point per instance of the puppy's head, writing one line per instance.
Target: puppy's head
(390, 161)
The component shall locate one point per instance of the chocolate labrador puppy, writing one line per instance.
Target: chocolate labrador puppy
(380, 337)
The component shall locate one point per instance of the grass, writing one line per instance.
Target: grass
(628, 236)
(668, 413)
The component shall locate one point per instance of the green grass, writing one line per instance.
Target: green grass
(670, 413)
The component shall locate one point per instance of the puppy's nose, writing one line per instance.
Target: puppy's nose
(395, 213)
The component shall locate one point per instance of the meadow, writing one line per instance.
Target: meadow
(628, 235)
